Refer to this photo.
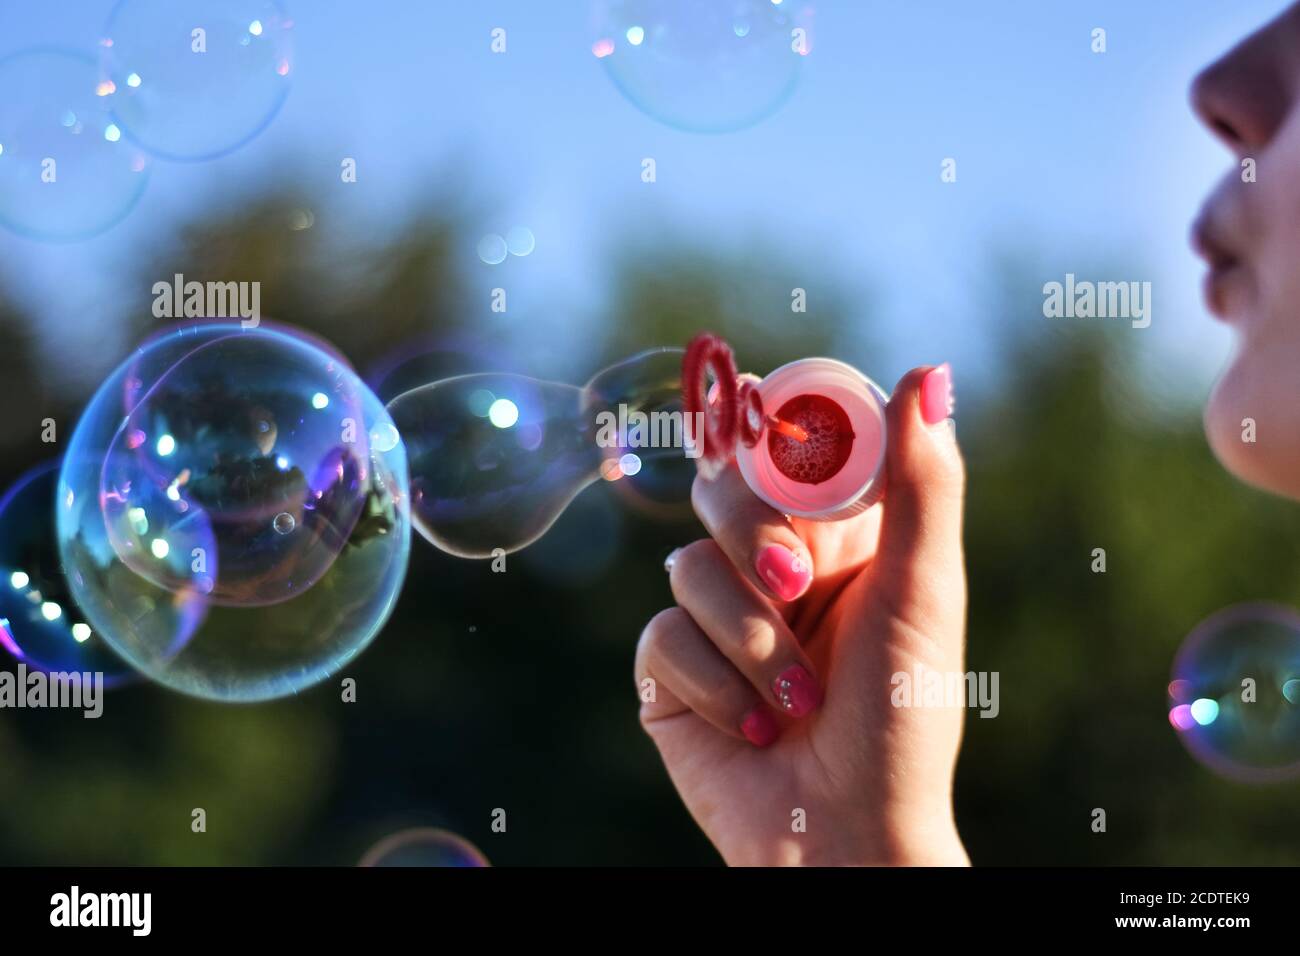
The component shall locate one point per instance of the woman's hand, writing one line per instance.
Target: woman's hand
(772, 678)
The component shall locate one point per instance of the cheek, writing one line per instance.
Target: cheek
(1253, 417)
(1270, 222)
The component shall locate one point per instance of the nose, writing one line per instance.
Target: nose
(1244, 97)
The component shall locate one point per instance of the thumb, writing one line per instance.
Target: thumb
(919, 559)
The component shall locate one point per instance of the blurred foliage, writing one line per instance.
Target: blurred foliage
(515, 690)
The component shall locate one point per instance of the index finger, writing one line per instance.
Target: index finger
(759, 541)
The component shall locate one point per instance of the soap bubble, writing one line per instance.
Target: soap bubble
(705, 66)
(250, 470)
(1234, 692)
(263, 482)
(194, 79)
(492, 249)
(424, 847)
(520, 241)
(39, 623)
(496, 457)
(660, 489)
(427, 359)
(66, 172)
(581, 546)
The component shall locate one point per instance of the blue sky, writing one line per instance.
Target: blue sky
(1083, 162)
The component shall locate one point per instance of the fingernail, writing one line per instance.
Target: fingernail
(759, 727)
(936, 395)
(786, 573)
(796, 691)
(672, 556)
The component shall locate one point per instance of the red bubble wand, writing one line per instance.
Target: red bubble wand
(809, 439)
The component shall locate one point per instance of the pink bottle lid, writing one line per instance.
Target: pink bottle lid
(860, 482)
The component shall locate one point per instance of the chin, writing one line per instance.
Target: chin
(1249, 390)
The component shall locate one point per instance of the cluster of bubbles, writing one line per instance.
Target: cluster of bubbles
(232, 518)
(178, 80)
(424, 847)
(493, 248)
(1234, 693)
(232, 515)
(229, 519)
(703, 67)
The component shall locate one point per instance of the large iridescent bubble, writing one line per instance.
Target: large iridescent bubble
(40, 625)
(1234, 696)
(704, 66)
(193, 79)
(496, 457)
(66, 171)
(249, 472)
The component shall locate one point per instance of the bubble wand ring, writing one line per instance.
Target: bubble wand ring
(706, 353)
(732, 410)
(820, 455)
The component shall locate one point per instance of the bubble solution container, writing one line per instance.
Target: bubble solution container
(858, 482)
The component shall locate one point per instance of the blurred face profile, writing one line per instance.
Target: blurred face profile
(1249, 236)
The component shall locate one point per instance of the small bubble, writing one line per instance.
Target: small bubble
(1234, 687)
(384, 437)
(520, 241)
(283, 523)
(492, 249)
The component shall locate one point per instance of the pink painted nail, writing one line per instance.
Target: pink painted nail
(786, 573)
(796, 691)
(759, 727)
(936, 394)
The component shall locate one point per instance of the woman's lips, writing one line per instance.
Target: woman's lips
(1226, 282)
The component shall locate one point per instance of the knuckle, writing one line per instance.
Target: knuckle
(661, 628)
(950, 474)
(691, 560)
(657, 631)
(757, 639)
